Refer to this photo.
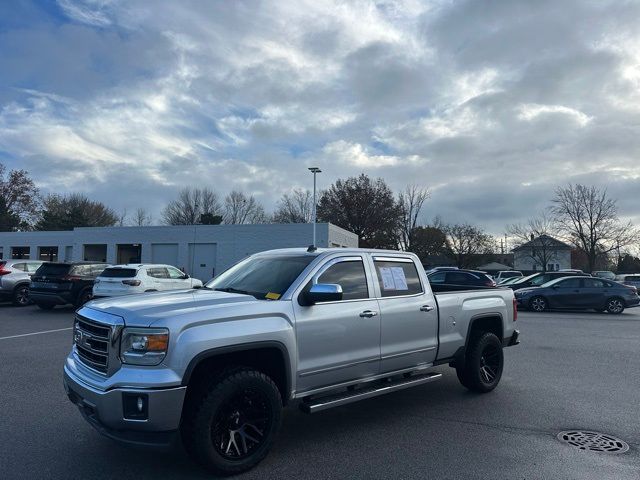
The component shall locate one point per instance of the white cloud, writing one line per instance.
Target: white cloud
(531, 111)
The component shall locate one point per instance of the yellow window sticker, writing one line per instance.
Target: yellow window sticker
(272, 296)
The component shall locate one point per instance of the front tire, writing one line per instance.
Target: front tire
(483, 364)
(538, 304)
(230, 424)
(21, 296)
(615, 305)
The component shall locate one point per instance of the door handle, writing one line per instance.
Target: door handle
(426, 308)
(368, 314)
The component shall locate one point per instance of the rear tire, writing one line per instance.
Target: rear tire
(538, 304)
(615, 305)
(46, 306)
(230, 423)
(483, 364)
(20, 296)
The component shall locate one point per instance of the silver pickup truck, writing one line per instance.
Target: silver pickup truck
(318, 327)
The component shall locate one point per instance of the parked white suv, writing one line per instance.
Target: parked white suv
(139, 278)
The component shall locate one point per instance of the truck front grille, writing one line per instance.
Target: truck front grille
(92, 341)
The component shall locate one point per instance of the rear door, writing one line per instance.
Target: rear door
(409, 317)
(568, 293)
(338, 341)
(594, 293)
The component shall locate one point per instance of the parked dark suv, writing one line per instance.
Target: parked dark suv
(538, 279)
(63, 283)
(448, 280)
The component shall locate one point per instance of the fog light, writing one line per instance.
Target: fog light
(135, 406)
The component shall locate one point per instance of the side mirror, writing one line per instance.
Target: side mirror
(185, 277)
(322, 292)
(555, 287)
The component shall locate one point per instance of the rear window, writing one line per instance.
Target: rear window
(397, 278)
(632, 278)
(53, 269)
(119, 272)
(510, 274)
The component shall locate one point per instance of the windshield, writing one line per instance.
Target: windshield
(263, 277)
(524, 279)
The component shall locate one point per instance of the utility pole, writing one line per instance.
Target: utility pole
(314, 170)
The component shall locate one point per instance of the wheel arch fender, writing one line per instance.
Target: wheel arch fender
(271, 357)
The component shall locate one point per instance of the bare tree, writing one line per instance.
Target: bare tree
(242, 208)
(465, 241)
(141, 218)
(192, 206)
(295, 207)
(411, 202)
(589, 218)
(122, 218)
(536, 231)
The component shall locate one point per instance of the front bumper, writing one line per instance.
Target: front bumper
(104, 410)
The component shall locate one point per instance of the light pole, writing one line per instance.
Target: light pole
(314, 170)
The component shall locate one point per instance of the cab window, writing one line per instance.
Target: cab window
(350, 275)
(397, 278)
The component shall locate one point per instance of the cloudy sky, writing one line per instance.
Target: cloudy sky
(489, 104)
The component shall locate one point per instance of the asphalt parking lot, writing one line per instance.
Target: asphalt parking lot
(571, 371)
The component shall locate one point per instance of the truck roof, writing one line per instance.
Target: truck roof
(318, 251)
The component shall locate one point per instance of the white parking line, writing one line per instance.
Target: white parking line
(36, 333)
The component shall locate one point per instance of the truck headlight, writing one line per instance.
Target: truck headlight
(144, 346)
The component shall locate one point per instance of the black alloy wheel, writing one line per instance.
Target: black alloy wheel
(484, 361)
(230, 420)
(239, 426)
(21, 296)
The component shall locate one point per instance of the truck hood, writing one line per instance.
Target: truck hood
(147, 308)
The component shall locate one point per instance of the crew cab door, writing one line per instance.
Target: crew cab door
(409, 317)
(338, 341)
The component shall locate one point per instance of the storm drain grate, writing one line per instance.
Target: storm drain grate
(593, 441)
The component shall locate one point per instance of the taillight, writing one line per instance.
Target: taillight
(133, 283)
(2, 270)
(71, 278)
(515, 310)
(490, 283)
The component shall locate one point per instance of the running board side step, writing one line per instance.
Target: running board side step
(323, 403)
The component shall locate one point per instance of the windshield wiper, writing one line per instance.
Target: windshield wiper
(232, 290)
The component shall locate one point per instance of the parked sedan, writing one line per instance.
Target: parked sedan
(139, 278)
(578, 293)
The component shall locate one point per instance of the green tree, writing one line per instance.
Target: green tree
(20, 199)
(364, 206)
(429, 241)
(75, 210)
(9, 221)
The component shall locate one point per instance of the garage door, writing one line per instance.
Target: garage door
(202, 260)
(165, 253)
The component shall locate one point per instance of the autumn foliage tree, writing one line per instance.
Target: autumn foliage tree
(364, 206)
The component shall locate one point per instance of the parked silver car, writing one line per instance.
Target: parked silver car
(15, 277)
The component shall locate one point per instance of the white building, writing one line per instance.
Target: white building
(542, 253)
(201, 250)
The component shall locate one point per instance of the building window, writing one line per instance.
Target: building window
(95, 253)
(20, 253)
(48, 254)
